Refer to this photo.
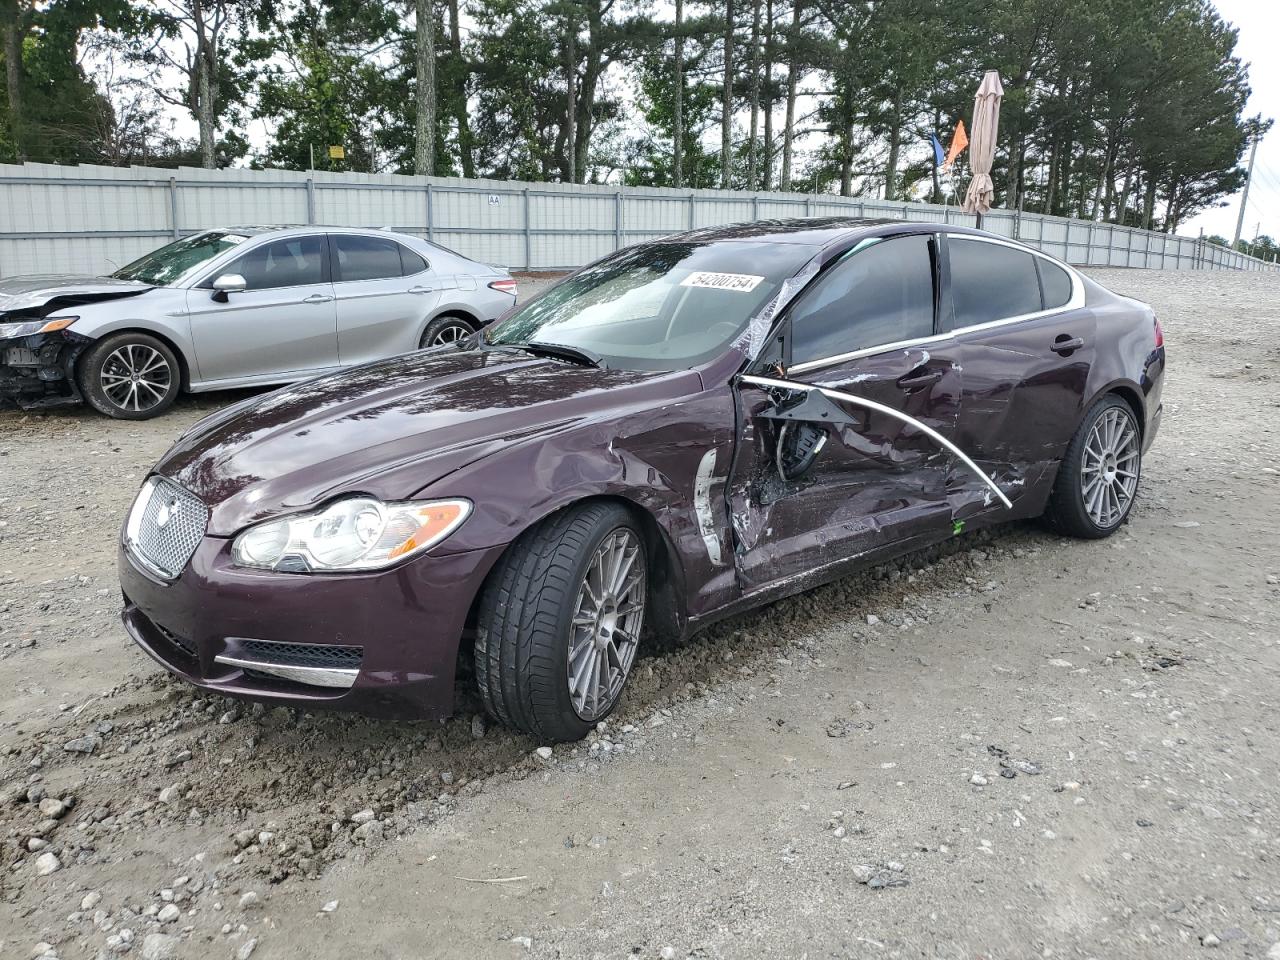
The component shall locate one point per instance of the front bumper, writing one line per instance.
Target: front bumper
(210, 625)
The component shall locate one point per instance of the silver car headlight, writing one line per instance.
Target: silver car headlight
(359, 533)
(30, 327)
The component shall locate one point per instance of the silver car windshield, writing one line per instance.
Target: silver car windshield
(661, 306)
(175, 260)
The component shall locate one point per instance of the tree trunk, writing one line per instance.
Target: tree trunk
(895, 145)
(677, 160)
(205, 63)
(788, 133)
(726, 103)
(766, 178)
(466, 148)
(585, 90)
(424, 147)
(571, 99)
(1149, 203)
(846, 160)
(13, 76)
(752, 146)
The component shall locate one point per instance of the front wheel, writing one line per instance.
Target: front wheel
(559, 622)
(1098, 479)
(130, 376)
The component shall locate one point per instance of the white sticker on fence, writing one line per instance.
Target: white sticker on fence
(739, 282)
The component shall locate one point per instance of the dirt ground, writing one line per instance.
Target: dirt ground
(1016, 746)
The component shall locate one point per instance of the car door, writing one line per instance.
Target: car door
(282, 324)
(866, 328)
(385, 292)
(1026, 341)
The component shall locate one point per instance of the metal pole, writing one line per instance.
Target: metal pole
(430, 213)
(692, 201)
(1244, 197)
(311, 201)
(617, 220)
(528, 233)
(173, 206)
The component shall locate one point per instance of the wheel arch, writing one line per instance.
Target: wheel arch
(184, 365)
(665, 619)
(1127, 391)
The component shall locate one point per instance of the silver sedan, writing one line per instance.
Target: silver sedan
(237, 307)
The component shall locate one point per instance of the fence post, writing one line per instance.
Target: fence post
(692, 201)
(430, 212)
(173, 206)
(311, 201)
(755, 206)
(617, 220)
(528, 232)
(1088, 243)
(808, 205)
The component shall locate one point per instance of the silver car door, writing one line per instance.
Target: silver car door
(283, 324)
(385, 293)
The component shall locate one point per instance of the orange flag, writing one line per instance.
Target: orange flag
(959, 140)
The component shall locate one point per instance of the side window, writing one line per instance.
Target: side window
(410, 262)
(292, 262)
(1055, 282)
(990, 281)
(880, 293)
(364, 258)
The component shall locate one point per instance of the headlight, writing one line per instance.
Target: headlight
(27, 328)
(359, 533)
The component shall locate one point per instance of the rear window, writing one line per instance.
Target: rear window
(990, 281)
(1056, 284)
(365, 258)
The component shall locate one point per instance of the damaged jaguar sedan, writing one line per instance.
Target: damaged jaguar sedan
(679, 432)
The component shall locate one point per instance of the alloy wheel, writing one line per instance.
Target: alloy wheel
(605, 630)
(450, 333)
(136, 377)
(1110, 467)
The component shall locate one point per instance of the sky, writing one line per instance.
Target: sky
(1259, 25)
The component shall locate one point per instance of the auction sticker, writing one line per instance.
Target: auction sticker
(739, 282)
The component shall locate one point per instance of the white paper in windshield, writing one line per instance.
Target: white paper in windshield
(234, 238)
(738, 282)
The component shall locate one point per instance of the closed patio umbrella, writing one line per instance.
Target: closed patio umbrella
(982, 144)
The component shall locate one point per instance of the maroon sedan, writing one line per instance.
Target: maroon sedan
(678, 432)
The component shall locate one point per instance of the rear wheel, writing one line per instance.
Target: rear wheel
(1098, 479)
(559, 622)
(130, 376)
(443, 331)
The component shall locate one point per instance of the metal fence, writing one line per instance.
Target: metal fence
(92, 219)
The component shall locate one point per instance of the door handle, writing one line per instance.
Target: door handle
(920, 377)
(317, 298)
(1064, 344)
(422, 289)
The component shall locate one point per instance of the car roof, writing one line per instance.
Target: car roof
(809, 231)
(256, 230)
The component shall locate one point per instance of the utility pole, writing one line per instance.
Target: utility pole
(1244, 197)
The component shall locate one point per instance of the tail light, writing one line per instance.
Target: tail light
(504, 286)
(1159, 333)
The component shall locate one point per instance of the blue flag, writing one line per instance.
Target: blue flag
(938, 154)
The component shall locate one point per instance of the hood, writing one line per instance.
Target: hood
(58, 290)
(391, 428)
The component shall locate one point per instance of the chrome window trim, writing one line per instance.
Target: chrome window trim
(1075, 303)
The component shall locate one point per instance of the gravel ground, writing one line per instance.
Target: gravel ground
(1014, 746)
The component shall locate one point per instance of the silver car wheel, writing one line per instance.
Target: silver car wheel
(605, 630)
(1110, 468)
(450, 333)
(136, 377)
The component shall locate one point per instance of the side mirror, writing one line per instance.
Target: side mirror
(227, 284)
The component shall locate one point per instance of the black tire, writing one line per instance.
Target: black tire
(524, 625)
(447, 326)
(106, 362)
(1067, 511)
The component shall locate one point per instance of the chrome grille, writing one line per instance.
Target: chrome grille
(165, 526)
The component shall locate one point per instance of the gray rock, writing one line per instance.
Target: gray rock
(159, 946)
(52, 807)
(246, 949)
(1210, 940)
(368, 831)
(363, 816)
(477, 727)
(171, 794)
(91, 900)
(168, 913)
(544, 752)
(86, 744)
(249, 901)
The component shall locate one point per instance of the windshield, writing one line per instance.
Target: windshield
(662, 306)
(172, 261)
